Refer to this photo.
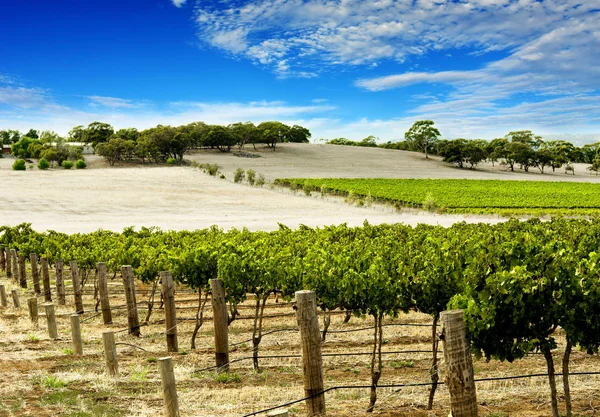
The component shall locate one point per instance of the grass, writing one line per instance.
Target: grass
(228, 378)
(52, 381)
(463, 196)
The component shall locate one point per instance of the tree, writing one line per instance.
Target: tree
(130, 133)
(77, 134)
(244, 133)
(9, 136)
(21, 148)
(273, 133)
(423, 136)
(49, 137)
(221, 138)
(299, 134)
(98, 132)
(33, 134)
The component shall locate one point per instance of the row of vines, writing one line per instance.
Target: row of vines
(518, 282)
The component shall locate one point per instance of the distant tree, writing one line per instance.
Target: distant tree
(423, 136)
(244, 133)
(273, 133)
(220, 138)
(368, 142)
(130, 133)
(299, 134)
(77, 134)
(21, 148)
(49, 137)
(495, 149)
(9, 136)
(98, 132)
(33, 134)
(521, 153)
(51, 155)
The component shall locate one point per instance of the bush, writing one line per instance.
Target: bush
(80, 164)
(67, 164)
(260, 181)
(171, 161)
(43, 164)
(251, 175)
(239, 175)
(19, 165)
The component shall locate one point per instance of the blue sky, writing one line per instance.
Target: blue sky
(343, 68)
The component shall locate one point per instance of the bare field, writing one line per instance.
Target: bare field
(41, 377)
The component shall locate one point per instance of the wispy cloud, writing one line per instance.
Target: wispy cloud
(113, 102)
(178, 3)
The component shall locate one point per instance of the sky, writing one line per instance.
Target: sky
(342, 68)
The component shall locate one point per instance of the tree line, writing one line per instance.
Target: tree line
(522, 149)
(157, 144)
(518, 282)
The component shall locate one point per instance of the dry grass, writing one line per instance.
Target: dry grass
(34, 368)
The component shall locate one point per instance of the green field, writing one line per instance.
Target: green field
(463, 196)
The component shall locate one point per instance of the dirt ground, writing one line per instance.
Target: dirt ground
(41, 377)
(186, 198)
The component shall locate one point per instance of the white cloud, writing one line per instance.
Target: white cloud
(113, 102)
(178, 3)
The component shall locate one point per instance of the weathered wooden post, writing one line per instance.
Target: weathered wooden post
(2, 259)
(167, 377)
(15, 297)
(132, 312)
(3, 301)
(76, 334)
(459, 365)
(220, 323)
(8, 263)
(103, 290)
(110, 353)
(60, 282)
(46, 280)
(170, 316)
(15, 266)
(32, 305)
(22, 271)
(35, 273)
(306, 314)
(51, 321)
(77, 296)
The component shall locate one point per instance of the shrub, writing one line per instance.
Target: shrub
(171, 161)
(251, 176)
(43, 164)
(67, 164)
(260, 181)
(80, 164)
(239, 175)
(19, 165)
(429, 203)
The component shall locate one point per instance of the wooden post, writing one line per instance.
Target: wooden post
(60, 282)
(171, 319)
(103, 290)
(76, 288)
(220, 322)
(8, 263)
(15, 297)
(76, 334)
(51, 320)
(2, 259)
(459, 365)
(3, 301)
(32, 304)
(306, 314)
(279, 413)
(35, 273)
(15, 266)
(46, 280)
(169, 387)
(22, 272)
(132, 312)
(110, 353)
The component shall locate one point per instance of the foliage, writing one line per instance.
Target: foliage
(67, 164)
(19, 165)
(239, 175)
(80, 164)
(23, 148)
(43, 164)
(171, 161)
(251, 175)
(423, 136)
(368, 142)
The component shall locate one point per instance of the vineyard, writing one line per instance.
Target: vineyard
(464, 196)
(530, 292)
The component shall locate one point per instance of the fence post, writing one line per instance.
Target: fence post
(76, 334)
(306, 314)
(169, 387)
(3, 301)
(15, 266)
(60, 282)
(110, 353)
(132, 312)
(2, 259)
(32, 304)
(46, 280)
(103, 290)
(15, 297)
(459, 365)
(221, 326)
(76, 288)
(51, 320)
(35, 273)
(8, 263)
(170, 316)
(22, 271)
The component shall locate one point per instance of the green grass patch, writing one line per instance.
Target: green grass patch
(464, 196)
